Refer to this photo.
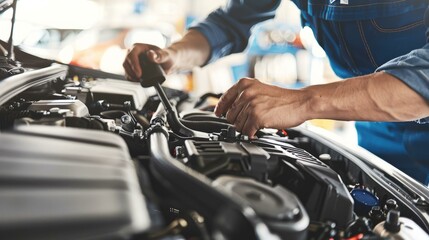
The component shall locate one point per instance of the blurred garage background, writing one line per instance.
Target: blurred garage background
(97, 33)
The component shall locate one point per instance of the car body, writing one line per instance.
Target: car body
(86, 154)
(84, 148)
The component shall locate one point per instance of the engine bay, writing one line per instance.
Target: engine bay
(88, 157)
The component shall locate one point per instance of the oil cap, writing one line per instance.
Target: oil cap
(364, 201)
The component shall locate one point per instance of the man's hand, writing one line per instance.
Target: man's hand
(251, 105)
(154, 54)
(190, 51)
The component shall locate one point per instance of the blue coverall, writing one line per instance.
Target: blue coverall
(359, 37)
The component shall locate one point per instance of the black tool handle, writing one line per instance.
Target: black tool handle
(152, 73)
(153, 76)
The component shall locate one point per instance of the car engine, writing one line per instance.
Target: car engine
(85, 156)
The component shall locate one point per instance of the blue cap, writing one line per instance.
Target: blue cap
(364, 201)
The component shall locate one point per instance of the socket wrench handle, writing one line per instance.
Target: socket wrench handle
(152, 73)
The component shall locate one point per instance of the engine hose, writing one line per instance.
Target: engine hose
(7, 119)
(204, 97)
(195, 191)
(205, 126)
(204, 117)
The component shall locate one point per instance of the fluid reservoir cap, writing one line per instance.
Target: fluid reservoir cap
(377, 215)
(390, 205)
(392, 223)
(364, 200)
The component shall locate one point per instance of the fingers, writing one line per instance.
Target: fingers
(247, 121)
(225, 101)
(250, 126)
(241, 118)
(158, 56)
(230, 96)
(131, 76)
(251, 105)
(237, 106)
(132, 63)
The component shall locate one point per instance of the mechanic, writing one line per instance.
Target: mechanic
(378, 47)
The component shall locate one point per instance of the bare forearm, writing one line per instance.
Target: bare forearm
(374, 97)
(192, 50)
(251, 105)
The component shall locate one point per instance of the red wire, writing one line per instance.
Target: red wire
(356, 237)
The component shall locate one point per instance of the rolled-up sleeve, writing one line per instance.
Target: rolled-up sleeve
(227, 29)
(413, 68)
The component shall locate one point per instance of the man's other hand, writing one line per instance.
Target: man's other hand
(251, 105)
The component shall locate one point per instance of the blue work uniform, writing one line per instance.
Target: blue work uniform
(359, 37)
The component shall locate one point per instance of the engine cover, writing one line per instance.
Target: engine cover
(74, 108)
(55, 185)
(317, 186)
